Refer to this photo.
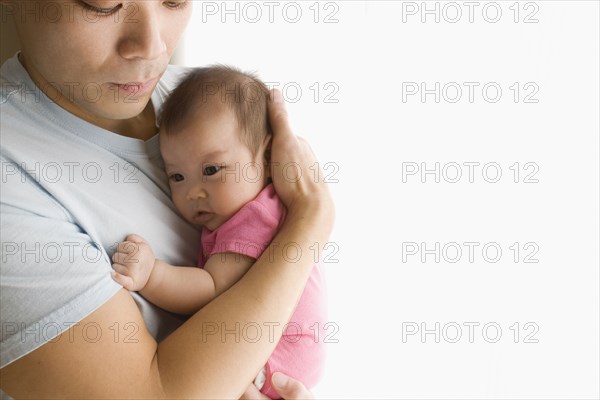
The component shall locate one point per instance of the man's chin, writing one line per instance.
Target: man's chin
(119, 110)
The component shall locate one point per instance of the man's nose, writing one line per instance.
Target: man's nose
(142, 36)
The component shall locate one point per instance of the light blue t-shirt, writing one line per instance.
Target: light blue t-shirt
(70, 191)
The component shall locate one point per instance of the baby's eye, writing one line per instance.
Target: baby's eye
(212, 169)
(176, 177)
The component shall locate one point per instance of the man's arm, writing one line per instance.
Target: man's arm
(204, 358)
(194, 361)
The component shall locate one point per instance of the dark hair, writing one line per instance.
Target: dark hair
(242, 92)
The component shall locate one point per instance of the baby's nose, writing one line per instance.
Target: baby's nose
(196, 193)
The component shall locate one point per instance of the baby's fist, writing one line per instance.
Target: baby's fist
(133, 263)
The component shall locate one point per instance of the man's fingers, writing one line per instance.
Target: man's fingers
(252, 393)
(306, 145)
(289, 388)
(278, 115)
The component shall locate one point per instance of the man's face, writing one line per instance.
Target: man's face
(104, 56)
(211, 173)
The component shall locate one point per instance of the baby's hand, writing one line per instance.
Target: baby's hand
(133, 263)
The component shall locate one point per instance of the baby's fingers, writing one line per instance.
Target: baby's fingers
(119, 276)
(135, 239)
(124, 258)
(128, 247)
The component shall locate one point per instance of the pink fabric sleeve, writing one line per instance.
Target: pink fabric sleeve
(249, 231)
(302, 357)
(301, 352)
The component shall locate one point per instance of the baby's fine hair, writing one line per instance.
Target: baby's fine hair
(242, 92)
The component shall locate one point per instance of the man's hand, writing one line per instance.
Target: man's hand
(298, 184)
(286, 387)
(133, 263)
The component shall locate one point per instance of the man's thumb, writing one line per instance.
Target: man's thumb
(289, 388)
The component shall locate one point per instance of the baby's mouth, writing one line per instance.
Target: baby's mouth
(202, 217)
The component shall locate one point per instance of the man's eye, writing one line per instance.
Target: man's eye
(101, 11)
(175, 4)
(212, 169)
(176, 177)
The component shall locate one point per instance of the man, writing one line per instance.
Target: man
(82, 97)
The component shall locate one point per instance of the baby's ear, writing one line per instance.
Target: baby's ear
(266, 148)
(266, 145)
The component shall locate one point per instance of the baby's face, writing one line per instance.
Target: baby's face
(212, 174)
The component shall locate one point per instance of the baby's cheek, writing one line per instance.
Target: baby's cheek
(224, 205)
(228, 200)
(178, 199)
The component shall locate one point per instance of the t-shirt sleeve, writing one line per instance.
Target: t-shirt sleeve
(53, 275)
(251, 229)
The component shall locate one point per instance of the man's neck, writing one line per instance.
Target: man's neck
(141, 127)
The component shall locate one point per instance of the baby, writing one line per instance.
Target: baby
(214, 140)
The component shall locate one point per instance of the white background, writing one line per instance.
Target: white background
(369, 57)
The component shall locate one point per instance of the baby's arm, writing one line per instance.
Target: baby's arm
(185, 290)
(182, 290)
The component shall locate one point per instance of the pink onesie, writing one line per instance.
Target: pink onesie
(300, 353)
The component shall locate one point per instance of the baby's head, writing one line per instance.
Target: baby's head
(214, 139)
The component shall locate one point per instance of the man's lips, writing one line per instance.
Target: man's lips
(136, 88)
